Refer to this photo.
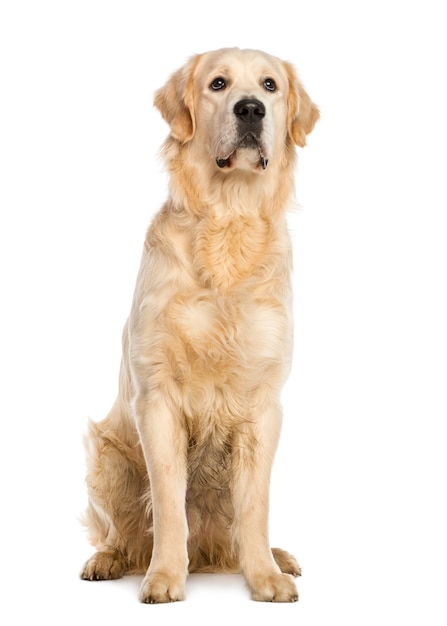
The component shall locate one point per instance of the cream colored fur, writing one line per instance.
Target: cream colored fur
(179, 470)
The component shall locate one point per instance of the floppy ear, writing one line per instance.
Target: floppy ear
(175, 101)
(303, 114)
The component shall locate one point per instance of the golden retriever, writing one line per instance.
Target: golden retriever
(179, 470)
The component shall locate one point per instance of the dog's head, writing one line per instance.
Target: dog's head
(238, 108)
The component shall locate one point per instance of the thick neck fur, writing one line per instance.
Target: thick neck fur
(199, 186)
(236, 217)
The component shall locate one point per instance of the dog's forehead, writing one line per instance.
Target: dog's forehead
(239, 65)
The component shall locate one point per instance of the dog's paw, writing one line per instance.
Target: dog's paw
(159, 587)
(286, 562)
(274, 588)
(104, 566)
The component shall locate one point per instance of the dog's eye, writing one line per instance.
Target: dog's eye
(270, 84)
(218, 83)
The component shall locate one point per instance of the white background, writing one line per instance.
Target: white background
(359, 489)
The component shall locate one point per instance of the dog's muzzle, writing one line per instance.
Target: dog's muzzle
(250, 114)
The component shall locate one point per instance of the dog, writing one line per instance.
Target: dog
(178, 472)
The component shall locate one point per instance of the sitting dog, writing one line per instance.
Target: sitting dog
(179, 470)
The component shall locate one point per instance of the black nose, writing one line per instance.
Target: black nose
(249, 110)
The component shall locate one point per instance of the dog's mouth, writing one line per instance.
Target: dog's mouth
(249, 142)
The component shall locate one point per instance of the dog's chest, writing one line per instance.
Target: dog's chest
(230, 305)
(215, 316)
(226, 251)
(236, 328)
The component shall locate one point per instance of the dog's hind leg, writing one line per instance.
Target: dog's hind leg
(118, 516)
(104, 566)
(286, 562)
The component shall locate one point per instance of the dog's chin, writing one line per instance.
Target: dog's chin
(244, 158)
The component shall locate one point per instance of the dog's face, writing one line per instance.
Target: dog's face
(241, 107)
(237, 108)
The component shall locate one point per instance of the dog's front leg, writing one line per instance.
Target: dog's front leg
(164, 444)
(253, 452)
